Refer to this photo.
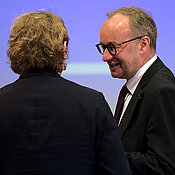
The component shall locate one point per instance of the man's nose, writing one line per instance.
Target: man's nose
(107, 56)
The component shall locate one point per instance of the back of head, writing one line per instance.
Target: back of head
(141, 23)
(37, 42)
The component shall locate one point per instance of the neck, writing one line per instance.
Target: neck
(147, 56)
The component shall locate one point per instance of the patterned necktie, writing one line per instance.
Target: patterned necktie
(120, 103)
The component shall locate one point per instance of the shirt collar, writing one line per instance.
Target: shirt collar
(133, 82)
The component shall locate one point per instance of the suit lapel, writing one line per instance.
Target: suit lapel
(138, 95)
(129, 111)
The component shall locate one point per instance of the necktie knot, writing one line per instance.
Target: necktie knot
(124, 91)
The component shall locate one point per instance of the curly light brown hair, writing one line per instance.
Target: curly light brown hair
(141, 23)
(37, 42)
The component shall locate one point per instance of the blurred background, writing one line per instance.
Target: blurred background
(83, 19)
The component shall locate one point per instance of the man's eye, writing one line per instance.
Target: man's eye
(111, 47)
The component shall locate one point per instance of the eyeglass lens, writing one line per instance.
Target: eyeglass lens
(111, 48)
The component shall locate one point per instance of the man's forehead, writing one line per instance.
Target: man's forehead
(115, 29)
(118, 21)
(116, 24)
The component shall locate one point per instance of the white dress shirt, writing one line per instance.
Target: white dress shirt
(133, 82)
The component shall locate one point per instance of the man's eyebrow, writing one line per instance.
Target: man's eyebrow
(111, 42)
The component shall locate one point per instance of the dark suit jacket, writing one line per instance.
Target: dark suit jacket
(147, 129)
(52, 126)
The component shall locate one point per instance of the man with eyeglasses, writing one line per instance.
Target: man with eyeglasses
(146, 117)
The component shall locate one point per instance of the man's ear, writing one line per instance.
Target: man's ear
(65, 48)
(65, 44)
(144, 44)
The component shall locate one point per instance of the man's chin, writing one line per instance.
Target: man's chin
(114, 75)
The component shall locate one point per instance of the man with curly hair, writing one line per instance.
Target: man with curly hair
(50, 125)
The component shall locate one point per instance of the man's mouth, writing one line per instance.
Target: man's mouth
(112, 65)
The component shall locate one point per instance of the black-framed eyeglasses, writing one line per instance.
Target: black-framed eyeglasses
(112, 48)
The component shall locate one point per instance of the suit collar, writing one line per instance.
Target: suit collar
(157, 65)
(46, 72)
(134, 81)
(137, 96)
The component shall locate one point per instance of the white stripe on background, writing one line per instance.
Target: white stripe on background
(86, 69)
